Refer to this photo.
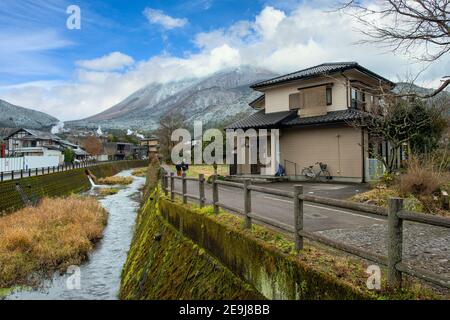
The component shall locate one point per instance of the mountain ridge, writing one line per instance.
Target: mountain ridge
(13, 116)
(211, 98)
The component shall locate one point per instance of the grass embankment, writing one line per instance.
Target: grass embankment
(37, 241)
(115, 180)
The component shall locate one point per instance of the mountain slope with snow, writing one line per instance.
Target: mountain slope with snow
(12, 116)
(213, 98)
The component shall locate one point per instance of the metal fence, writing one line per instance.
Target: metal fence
(20, 174)
(395, 216)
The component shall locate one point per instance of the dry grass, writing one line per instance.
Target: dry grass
(140, 172)
(378, 196)
(107, 191)
(207, 170)
(115, 180)
(421, 179)
(38, 240)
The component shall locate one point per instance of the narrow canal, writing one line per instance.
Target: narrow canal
(100, 275)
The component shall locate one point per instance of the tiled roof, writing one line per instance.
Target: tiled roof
(261, 119)
(290, 119)
(38, 134)
(322, 69)
(330, 117)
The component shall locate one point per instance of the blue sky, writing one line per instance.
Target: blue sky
(125, 45)
(107, 26)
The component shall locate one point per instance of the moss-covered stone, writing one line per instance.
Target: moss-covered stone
(162, 264)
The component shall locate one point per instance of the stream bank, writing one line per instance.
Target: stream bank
(100, 275)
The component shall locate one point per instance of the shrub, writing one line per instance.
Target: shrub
(388, 179)
(420, 179)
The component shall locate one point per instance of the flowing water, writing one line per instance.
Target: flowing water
(100, 275)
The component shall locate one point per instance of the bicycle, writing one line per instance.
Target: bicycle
(310, 174)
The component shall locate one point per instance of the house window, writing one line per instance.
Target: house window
(358, 99)
(329, 96)
(294, 101)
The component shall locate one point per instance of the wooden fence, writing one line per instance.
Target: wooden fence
(395, 216)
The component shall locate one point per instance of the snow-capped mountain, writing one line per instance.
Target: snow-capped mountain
(12, 116)
(213, 98)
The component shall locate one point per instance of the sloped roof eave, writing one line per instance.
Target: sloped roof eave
(260, 120)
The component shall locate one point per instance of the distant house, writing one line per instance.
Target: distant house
(151, 144)
(119, 150)
(313, 110)
(29, 142)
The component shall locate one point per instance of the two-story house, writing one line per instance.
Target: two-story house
(29, 142)
(313, 109)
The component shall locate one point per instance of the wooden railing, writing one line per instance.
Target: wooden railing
(395, 216)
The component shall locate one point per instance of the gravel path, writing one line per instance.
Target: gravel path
(427, 247)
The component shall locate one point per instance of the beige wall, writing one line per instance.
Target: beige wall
(306, 146)
(277, 98)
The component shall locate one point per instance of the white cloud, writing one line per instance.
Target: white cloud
(273, 40)
(25, 52)
(266, 23)
(113, 61)
(158, 17)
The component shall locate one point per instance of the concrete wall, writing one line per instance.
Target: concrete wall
(337, 146)
(28, 162)
(58, 184)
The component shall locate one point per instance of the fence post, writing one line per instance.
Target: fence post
(395, 242)
(298, 216)
(48, 170)
(29, 172)
(184, 187)
(42, 170)
(215, 194)
(247, 204)
(166, 183)
(1, 176)
(172, 187)
(21, 173)
(12, 175)
(201, 189)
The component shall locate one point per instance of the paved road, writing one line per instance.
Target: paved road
(317, 217)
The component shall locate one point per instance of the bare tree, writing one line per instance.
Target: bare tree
(406, 25)
(404, 123)
(167, 124)
(93, 145)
